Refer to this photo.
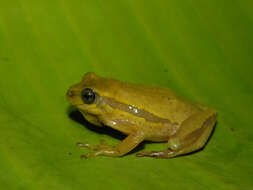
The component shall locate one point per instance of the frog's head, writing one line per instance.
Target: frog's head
(87, 95)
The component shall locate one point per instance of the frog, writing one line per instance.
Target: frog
(143, 113)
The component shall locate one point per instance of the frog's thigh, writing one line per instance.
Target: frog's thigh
(193, 133)
(192, 136)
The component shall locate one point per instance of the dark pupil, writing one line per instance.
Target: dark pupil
(88, 96)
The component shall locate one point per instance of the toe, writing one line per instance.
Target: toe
(156, 154)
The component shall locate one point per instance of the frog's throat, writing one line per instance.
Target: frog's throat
(135, 111)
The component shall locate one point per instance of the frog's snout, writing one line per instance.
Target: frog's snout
(71, 96)
(70, 93)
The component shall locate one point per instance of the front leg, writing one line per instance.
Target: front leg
(128, 144)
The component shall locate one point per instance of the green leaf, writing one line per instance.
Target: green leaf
(199, 49)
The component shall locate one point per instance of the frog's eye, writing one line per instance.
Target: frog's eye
(88, 95)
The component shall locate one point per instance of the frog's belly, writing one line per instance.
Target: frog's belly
(152, 131)
(160, 133)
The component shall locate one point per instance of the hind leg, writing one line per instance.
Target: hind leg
(191, 136)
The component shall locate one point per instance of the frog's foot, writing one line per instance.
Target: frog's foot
(128, 144)
(158, 154)
(107, 152)
(100, 149)
(100, 146)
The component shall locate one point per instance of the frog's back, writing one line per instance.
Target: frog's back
(159, 101)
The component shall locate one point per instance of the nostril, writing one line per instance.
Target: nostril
(70, 93)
